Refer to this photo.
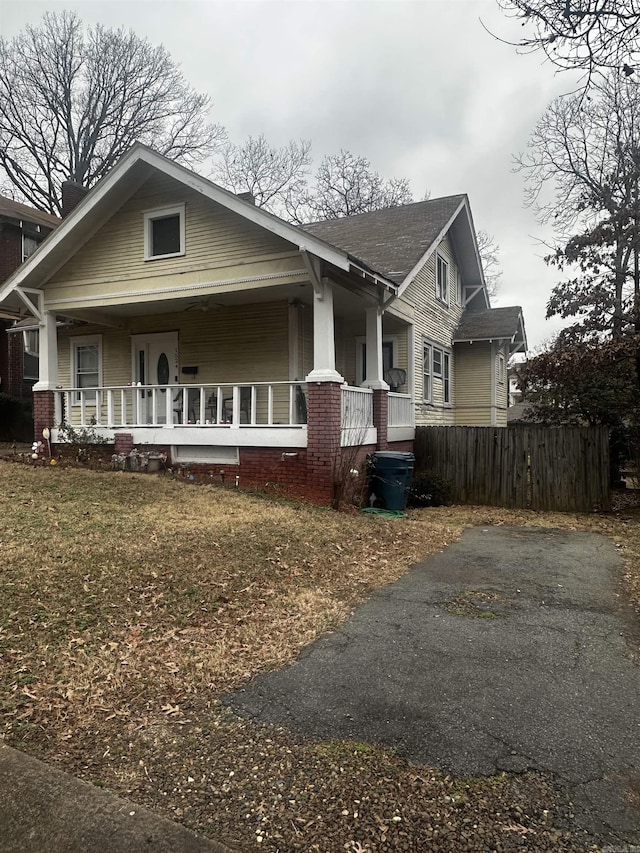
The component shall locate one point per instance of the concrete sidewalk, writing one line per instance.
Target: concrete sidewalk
(43, 810)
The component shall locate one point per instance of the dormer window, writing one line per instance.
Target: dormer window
(164, 233)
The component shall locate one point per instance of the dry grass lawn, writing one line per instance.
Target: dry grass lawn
(129, 603)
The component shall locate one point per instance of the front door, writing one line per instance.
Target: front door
(155, 362)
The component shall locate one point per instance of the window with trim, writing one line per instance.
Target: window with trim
(446, 378)
(500, 370)
(387, 358)
(436, 372)
(437, 362)
(86, 366)
(442, 279)
(30, 358)
(164, 233)
(426, 373)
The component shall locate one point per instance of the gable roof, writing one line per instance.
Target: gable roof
(392, 240)
(493, 324)
(11, 209)
(133, 168)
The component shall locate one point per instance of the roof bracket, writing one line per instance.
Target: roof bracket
(313, 268)
(37, 311)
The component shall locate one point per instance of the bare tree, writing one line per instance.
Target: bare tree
(489, 251)
(72, 102)
(578, 158)
(587, 151)
(588, 35)
(345, 185)
(275, 177)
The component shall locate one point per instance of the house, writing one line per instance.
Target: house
(22, 229)
(175, 315)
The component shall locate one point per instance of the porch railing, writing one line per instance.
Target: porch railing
(357, 408)
(400, 410)
(212, 405)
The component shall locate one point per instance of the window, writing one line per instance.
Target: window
(458, 288)
(31, 338)
(437, 374)
(164, 233)
(426, 372)
(437, 362)
(87, 359)
(500, 370)
(446, 379)
(29, 245)
(387, 358)
(442, 279)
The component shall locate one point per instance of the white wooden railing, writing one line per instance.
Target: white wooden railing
(400, 410)
(211, 405)
(357, 407)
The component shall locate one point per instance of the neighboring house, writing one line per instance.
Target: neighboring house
(176, 315)
(22, 229)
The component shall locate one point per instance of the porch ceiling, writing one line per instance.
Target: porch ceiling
(346, 303)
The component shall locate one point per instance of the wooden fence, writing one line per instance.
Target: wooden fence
(545, 468)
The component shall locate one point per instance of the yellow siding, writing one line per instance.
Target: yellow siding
(502, 388)
(234, 344)
(473, 378)
(433, 320)
(219, 245)
(434, 323)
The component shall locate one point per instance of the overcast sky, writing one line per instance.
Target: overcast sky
(419, 88)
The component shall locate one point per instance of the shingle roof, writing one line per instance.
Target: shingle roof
(393, 240)
(489, 325)
(16, 210)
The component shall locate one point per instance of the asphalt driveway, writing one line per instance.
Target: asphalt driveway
(508, 651)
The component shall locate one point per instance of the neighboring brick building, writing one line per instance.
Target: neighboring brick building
(22, 229)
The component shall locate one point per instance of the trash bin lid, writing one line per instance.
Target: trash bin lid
(393, 454)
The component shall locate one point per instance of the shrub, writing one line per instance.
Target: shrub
(430, 489)
(16, 419)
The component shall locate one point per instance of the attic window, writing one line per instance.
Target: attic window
(442, 279)
(164, 233)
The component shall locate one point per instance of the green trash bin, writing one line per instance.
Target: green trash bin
(391, 476)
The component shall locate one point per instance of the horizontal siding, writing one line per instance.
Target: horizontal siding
(435, 322)
(235, 344)
(472, 383)
(502, 388)
(216, 239)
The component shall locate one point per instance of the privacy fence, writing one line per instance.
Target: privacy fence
(564, 468)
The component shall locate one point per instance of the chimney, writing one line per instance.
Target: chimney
(247, 197)
(72, 195)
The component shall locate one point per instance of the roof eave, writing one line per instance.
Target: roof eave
(96, 200)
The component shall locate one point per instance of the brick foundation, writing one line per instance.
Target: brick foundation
(123, 443)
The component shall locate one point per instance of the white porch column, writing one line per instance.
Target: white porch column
(373, 368)
(324, 346)
(48, 353)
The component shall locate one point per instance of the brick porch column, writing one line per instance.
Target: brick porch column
(323, 437)
(44, 412)
(381, 416)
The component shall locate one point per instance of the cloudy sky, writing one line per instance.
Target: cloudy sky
(420, 88)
